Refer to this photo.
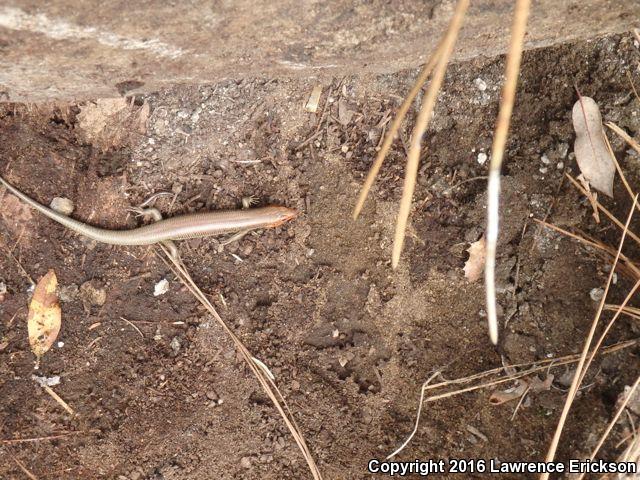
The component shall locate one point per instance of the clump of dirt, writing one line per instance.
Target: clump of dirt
(349, 340)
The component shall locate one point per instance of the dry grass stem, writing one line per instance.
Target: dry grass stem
(622, 134)
(609, 215)
(267, 384)
(393, 131)
(628, 267)
(579, 369)
(133, 326)
(11, 441)
(422, 122)
(531, 368)
(607, 328)
(633, 312)
(613, 421)
(497, 152)
(418, 414)
(24, 469)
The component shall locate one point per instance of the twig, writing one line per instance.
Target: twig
(22, 467)
(422, 122)
(133, 326)
(497, 152)
(578, 376)
(57, 398)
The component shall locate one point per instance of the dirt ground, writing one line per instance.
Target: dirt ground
(158, 389)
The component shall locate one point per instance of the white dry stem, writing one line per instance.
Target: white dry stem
(499, 142)
(415, 427)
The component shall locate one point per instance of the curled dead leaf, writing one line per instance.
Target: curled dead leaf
(523, 385)
(503, 396)
(474, 267)
(591, 150)
(45, 317)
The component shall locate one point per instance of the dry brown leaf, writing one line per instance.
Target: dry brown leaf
(523, 385)
(474, 267)
(590, 148)
(503, 396)
(45, 317)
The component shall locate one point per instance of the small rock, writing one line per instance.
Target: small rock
(48, 381)
(161, 287)
(634, 402)
(563, 149)
(245, 462)
(62, 205)
(480, 84)
(567, 378)
(175, 345)
(212, 395)
(596, 294)
(482, 158)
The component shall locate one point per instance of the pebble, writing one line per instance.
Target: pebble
(245, 462)
(480, 84)
(62, 205)
(596, 294)
(175, 345)
(161, 287)
(482, 158)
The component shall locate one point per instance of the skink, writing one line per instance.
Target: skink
(193, 225)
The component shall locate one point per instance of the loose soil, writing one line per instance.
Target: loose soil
(349, 340)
